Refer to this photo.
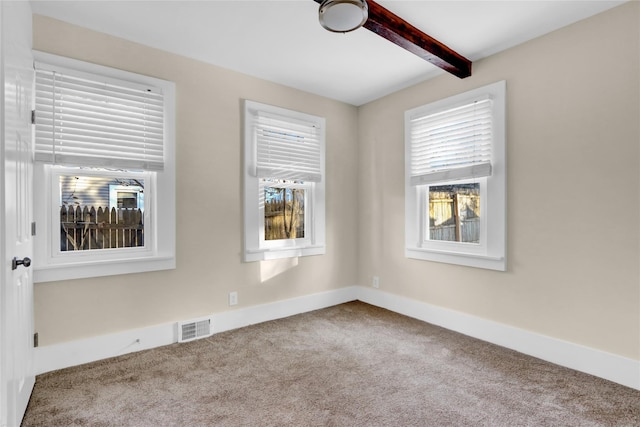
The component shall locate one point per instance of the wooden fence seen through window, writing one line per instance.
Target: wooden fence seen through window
(85, 228)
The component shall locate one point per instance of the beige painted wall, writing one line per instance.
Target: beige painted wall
(573, 144)
(573, 197)
(209, 219)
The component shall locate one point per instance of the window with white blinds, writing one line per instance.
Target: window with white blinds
(452, 144)
(95, 121)
(455, 179)
(99, 128)
(287, 148)
(284, 183)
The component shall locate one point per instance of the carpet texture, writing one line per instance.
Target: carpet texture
(348, 365)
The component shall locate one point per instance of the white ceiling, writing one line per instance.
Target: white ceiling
(282, 41)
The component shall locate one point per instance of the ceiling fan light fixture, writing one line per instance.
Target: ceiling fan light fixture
(342, 16)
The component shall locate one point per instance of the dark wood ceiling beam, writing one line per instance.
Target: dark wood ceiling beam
(395, 29)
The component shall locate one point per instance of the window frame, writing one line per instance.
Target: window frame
(58, 256)
(158, 252)
(490, 253)
(286, 243)
(255, 247)
(114, 190)
(451, 246)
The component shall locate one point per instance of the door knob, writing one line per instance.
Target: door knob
(26, 261)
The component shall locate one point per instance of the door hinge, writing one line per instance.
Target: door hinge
(33, 228)
(35, 339)
(33, 117)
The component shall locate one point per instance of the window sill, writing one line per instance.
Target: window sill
(278, 253)
(82, 270)
(470, 260)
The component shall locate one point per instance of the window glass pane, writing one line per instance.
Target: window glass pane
(98, 212)
(284, 212)
(454, 212)
(127, 200)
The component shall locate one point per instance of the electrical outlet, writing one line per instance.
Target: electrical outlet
(233, 298)
(375, 282)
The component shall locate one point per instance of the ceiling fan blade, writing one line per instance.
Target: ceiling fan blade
(395, 29)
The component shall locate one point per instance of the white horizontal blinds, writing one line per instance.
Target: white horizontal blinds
(87, 120)
(453, 144)
(287, 148)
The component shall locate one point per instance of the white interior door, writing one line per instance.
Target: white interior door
(16, 289)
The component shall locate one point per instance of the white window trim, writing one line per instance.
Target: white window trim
(159, 253)
(493, 255)
(255, 247)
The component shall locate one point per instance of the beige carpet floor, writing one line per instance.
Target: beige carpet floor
(348, 365)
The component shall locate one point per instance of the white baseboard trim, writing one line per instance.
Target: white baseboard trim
(279, 309)
(605, 365)
(59, 356)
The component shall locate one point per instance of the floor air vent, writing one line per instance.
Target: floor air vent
(193, 329)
